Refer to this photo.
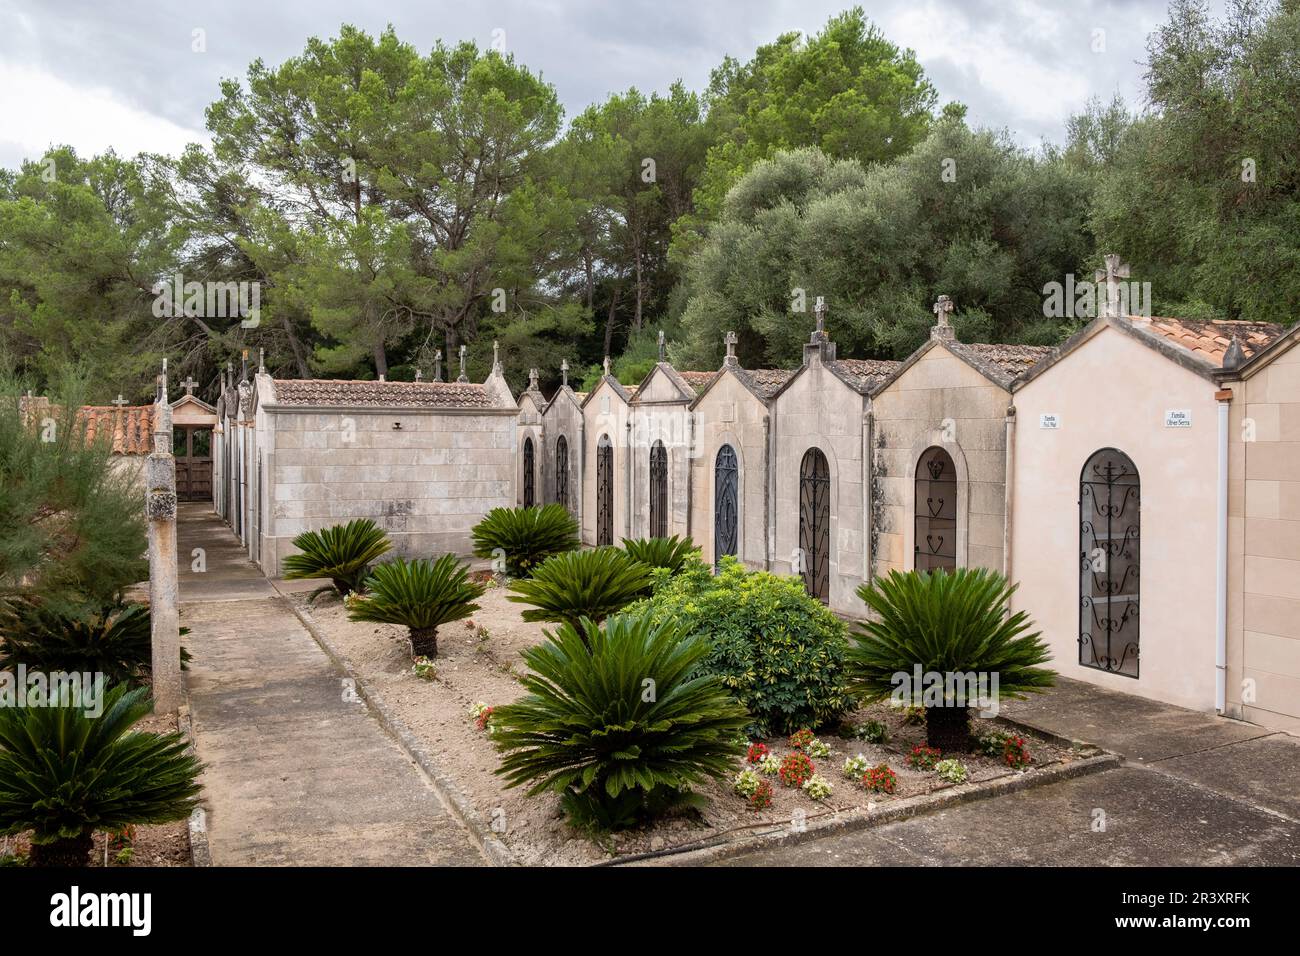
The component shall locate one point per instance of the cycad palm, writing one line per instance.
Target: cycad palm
(422, 595)
(64, 775)
(343, 553)
(950, 623)
(594, 584)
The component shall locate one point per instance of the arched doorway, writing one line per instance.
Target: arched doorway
(658, 490)
(815, 524)
(935, 546)
(604, 491)
(1110, 505)
(725, 508)
(562, 471)
(530, 491)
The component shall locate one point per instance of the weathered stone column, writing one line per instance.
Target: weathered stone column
(160, 509)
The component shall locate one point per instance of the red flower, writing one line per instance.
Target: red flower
(757, 751)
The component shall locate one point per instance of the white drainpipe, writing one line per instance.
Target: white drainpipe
(1221, 567)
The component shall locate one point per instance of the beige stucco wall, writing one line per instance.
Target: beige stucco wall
(730, 414)
(427, 484)
(660, 412)
(563, 417)
(605, 413)
(530, 426)
(940, 400)
(1263, 682)
(817, 409)
(1114, 392)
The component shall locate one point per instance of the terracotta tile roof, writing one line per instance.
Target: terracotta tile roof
(863, 374)
(697, 380)
(315, 391)
(765, 382)
(129, 428)
(1209, 341)
(1012, 359)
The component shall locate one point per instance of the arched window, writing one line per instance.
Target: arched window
(935, 546)
(725, 472)
(562, 471)
(1110, 505)
(658, 490)
(529, 490)
(815, 524)
(604, 491)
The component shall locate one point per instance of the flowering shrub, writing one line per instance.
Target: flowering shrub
(424, 668)
(923, 758)
(910, 715)
(482, 714)
(818, 787)
(796, 769)
(746, 783)
(872, 731)
(1016, 754)
(880, 779)
(817, 748)
(770, 764)
(761, 798)
(757, 751)
(801, 738)
(954, 771)
(856, 766)
(993, 743)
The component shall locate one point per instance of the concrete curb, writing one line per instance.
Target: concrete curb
(200, 848)
(850, 821)
(446, 789)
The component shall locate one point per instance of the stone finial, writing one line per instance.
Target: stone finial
(437, 365)
(243, 375)
(942, 329)
(189, 384)
(729, 340)
(564, 371)
(532, 379)
(820, 311)
(662, 350)
(261, 361)
(496, 356)
(1116, 269)
(419, 375)
(462, 377)
(120, 402)
(606, 366)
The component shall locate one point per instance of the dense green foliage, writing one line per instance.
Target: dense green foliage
(522, 538)
(618, 720)
(671, 553)
(945, 623)
(64, 775)
(342, 553)
(421, 595)
(779, 651)
(72, 529)
(593, 584)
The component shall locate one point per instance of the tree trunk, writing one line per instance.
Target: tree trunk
(68, 851)
(609, 319)
(299, 357)
(640, 296)
(424, 642)
(591, 277)
(381, 359)
(948, 729)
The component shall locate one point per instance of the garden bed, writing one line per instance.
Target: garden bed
(479, 663)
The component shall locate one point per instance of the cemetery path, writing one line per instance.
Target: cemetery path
(297, 770)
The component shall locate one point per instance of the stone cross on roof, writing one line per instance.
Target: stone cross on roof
(463, 377)
(564, 371)
(189, 384)
(437, 365)
(942, 328)
(606, 365)
(729, 340)
(119, 401)
(661, 345)
(1115, 271)
(532, 379)
(161, 393)
(820, 311)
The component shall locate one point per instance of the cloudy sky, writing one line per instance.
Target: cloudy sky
(101, 73)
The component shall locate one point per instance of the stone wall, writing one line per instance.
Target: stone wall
(605, 413)
(563, 418)
(660, 412)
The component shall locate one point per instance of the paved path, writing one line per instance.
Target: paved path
(295, 773)
(1194, 790)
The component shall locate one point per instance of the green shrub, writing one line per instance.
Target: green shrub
(779, 651)
(421, 595)
(945, 622)
(568, 587)
(115, 641)
(64, 775)
(670, 553)
(524, 537)
(616, 722)
(343, 553)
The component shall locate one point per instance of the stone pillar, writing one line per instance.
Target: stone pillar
(160, 509)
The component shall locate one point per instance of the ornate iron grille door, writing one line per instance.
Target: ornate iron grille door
(815, 524)
(935, 545)
(529, 487)
(605, 491)
(658, 490)
(562, 471)
(1110, 507)
(725, 473)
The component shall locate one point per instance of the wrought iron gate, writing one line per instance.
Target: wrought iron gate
(935, 545)
(815, 524)
(1110, 507)
(725, 473)
(562, 471)
(605, 491)
(658, 490)
(529, 488)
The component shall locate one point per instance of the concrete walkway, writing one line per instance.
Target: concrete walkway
(1195, 790)
(298, 772)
